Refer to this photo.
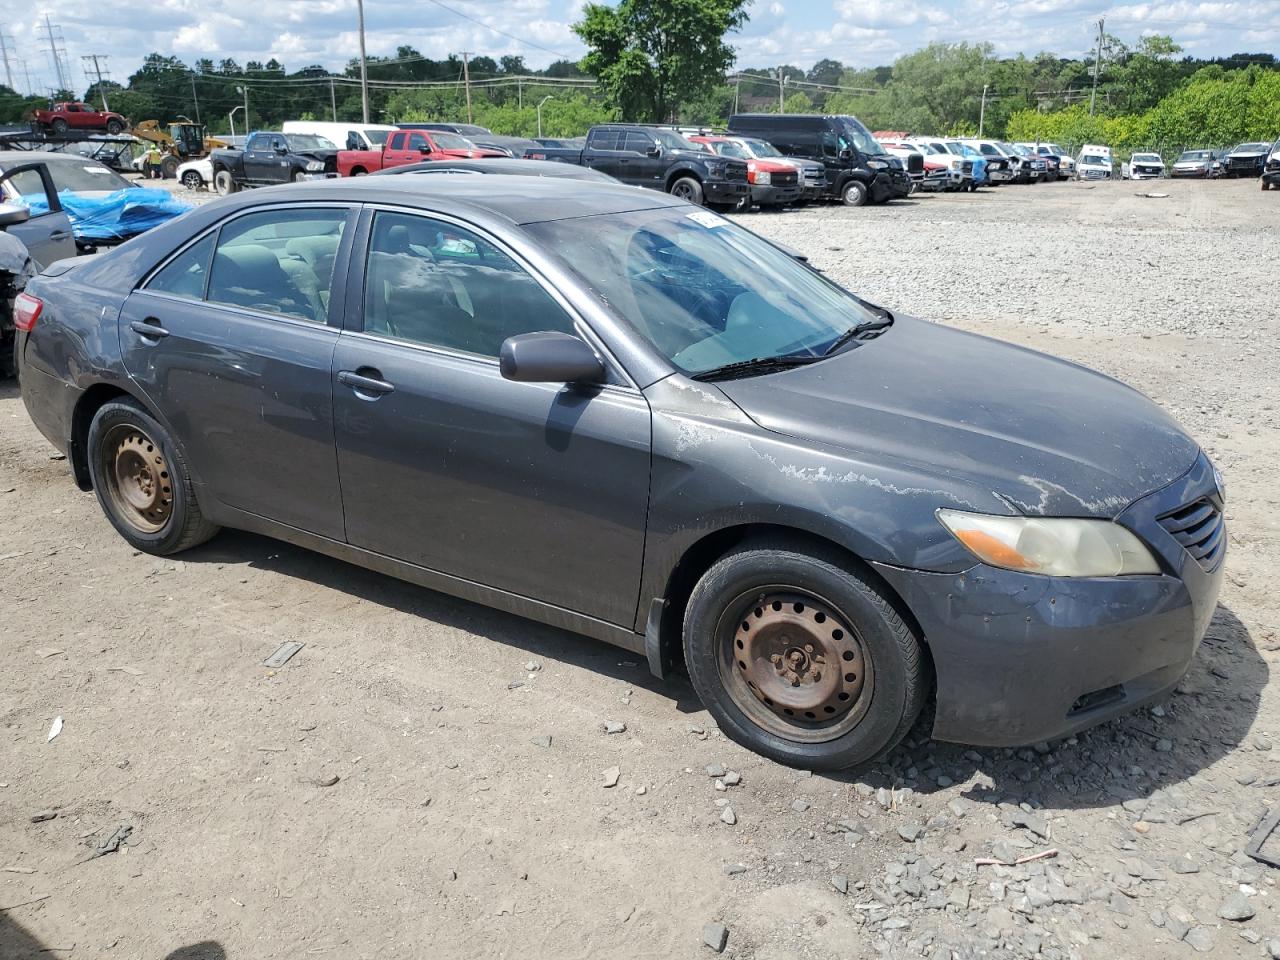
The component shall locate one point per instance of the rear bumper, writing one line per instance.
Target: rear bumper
(1023, 658)
(724, 191)
(772, 196)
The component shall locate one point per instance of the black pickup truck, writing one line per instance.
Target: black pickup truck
(271, 157)
(659, 158)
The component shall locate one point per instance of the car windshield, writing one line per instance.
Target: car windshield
(1094, 160)
(451, 141)
(1252, 147)
(672, 140)
(299, 142)
(1147, 158)
(704, 291)
(965, 150)
(1195, 156)
(727, 148)
(860, 136)
(378, 137)
(761, 148)
(81, 177)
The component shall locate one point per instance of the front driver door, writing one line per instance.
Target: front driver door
(232, 341)
(536, 489)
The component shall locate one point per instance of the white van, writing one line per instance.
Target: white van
(1094, 163)
(344, 136)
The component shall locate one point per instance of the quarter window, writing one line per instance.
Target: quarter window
(278, 261)
(185, 274)
(437, 284)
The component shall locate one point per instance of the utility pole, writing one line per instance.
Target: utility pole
(245, 90)
(56, 52)
(195, 96)
(519, 93)
(1097, 67)
(364, 67)
(26, 72)
(737, 87)
(466, 82)
(4, 55)
(982, 111)
(97, 71)
(782, 90)
(333, 101)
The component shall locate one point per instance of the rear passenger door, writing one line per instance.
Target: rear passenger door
(232, 341)
(602, 152)
(537, 489)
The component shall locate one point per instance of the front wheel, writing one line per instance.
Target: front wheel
(114, 127)
(801, 657)
(299, 176)
(687, 188)
(169, 168)
(60, 127)
(142, 482)
(854, 194)
(192, 180)
(224, 183)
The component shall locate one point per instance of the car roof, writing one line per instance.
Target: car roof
(505, 165)
(15, 157)
(519, 199)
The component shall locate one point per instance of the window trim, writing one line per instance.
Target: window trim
(337, 288)
(354, 307)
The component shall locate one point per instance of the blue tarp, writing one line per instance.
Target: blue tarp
(114, 216)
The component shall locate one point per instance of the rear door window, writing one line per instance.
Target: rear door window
(185, 274)
(605, 140)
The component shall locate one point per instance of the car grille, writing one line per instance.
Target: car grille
(815, 178)
(784, 179)
(736, 171)
(966, 167)
(1198, 527)
(1242, 163)
(1147, 169)
(998, 164)
(1095, 175)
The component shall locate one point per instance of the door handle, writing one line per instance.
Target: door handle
(149, 328)
(364, 381)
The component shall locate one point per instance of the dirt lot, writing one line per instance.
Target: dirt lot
(455, 830)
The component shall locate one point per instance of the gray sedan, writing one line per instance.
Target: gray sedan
(626, 416)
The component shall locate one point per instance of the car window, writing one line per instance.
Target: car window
(637, 142)
(417, 141)
(185, 274)
(604, 140)
(76, 175)
(437, 284)
(278, 261)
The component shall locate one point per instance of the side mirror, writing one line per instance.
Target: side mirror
(12, 214)
(846, 154)
(654, 151)
(282, 151)
(549, 357)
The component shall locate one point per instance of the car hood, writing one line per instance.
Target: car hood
(316, 154)
(1047, 436)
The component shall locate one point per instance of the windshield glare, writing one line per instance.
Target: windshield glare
(727, 148)
(1195, 155)
(308, 141)
(704, 291)
(1146, 158)
(760, 148)
(1091, 159)
(861, 137)
(451, 141)
(672, 140)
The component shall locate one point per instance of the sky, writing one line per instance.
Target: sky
(857, 32)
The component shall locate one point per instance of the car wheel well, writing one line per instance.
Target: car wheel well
(89, 404)
(679, 175)
(700, 557)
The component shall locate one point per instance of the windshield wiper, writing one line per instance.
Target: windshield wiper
(749, 368)
(867, 330)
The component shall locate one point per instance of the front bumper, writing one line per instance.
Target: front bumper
(1200, 173)
(1022, 658)
(725, 191)
(769, 195)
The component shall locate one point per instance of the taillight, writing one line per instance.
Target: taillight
(26, 311)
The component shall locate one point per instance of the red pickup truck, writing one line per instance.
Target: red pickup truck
(66, 117)
(409, 146)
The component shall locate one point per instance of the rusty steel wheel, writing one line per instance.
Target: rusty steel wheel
(138, 479)
(795, 665)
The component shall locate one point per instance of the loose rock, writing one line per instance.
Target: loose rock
(715, 936)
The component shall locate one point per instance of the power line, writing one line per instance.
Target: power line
(509, 36)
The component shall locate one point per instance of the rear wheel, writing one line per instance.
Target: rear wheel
(687, 188)
(142, 482)
(799, 656)
(854, 194)
(169, 168)
(59, 126)
(224, 183)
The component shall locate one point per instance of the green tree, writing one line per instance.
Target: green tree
(652, 55)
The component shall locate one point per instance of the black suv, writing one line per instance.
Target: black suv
(858, 168)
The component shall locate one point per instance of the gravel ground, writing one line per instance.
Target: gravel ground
(471, 815)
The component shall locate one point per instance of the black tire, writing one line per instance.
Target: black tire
(299, 176)
(854, 194)
(142, 482)
(169, 168)
(114, 127)
(895, 673)
(224, 183)
(687, 188)
(192, 180)
(59, 126)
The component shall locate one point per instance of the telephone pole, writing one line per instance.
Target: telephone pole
(782, 89)
(97, 72)
(466, 82)
(333, 101)
(57, 52)
(195, 96)
(982, 110)
(1097, 67)
(364, 67)
(5, 43)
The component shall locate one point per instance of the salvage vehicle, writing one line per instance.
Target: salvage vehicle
(813, 175)
(1245, 160)
(1193, 163)
(955, 171)
(1059, 166)
(773, 183)
(195, 174)
(1271, 172)
(484, 138)
(409, 146)
(614, 412)
(1143, 166)
(271, 157)
(658, 158)
(502, 165)
(68, 117)
(1027, 165)
(351, 136)
(1094, 163)
(981, 164)
(859, 170)
(1000, 166)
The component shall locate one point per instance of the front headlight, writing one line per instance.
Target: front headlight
(315, 166)
(763, 178)
(1056, 547)
(878, 164)
(957, 164)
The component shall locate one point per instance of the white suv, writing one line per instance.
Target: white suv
(1143, 166)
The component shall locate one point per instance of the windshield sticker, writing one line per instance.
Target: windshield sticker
(96, 170)
(707, 219)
